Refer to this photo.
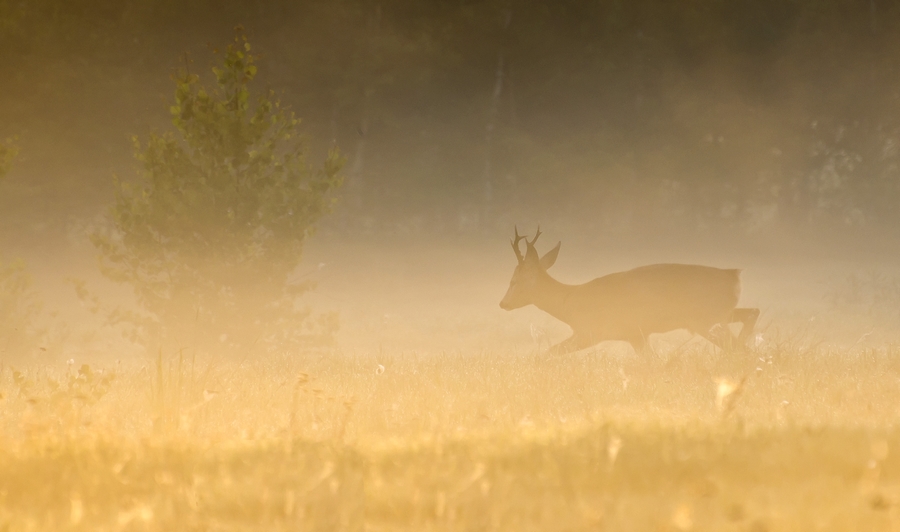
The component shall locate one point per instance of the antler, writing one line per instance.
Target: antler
(533, 240)
(529, 245)
(515, 245)
(530, 252)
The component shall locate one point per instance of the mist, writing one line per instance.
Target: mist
(755, 135)
(255, 265)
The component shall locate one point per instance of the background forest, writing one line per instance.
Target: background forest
(466, 116)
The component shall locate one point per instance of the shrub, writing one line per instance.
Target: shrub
(211, 230)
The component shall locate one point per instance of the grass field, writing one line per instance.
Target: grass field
(782, 437)
(436, 412)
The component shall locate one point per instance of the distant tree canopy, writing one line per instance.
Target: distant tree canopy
(20, 332)
(18, 308)
(739, 113)
(8, 152)
(211, 231)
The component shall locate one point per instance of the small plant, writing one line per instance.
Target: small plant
(84, 385)
(61, 403)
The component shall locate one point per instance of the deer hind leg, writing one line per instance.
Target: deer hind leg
(748, 317)
(570, 344)
(720, 335)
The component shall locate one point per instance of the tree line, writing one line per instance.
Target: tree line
(468, 114)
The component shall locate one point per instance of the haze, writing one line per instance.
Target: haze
(758, 135)
(761, 135)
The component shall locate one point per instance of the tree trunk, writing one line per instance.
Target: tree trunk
(357, 181)
(492, 120)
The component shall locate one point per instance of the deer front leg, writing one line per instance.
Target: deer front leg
(639, 344)
(720, 335)
(748, 317)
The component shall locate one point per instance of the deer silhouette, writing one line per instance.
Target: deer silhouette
(633, 304)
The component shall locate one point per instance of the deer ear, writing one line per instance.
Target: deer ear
(549, 258)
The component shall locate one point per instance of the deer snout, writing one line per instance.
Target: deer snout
(513, 298)
(509, 303)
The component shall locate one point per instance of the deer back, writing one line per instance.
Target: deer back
(656, 298)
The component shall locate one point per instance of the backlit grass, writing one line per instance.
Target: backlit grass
(782, 437)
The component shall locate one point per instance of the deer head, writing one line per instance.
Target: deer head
(529, 272)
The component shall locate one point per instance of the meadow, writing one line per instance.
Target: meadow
(782, 436)
(436, 410)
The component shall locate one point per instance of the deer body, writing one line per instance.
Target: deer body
(633, 304)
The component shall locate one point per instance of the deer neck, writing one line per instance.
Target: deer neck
(551, 296)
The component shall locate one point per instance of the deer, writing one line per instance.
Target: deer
(631, 305)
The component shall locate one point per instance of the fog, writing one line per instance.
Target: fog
(255, 259)
(763, 136)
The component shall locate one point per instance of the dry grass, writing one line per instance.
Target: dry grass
(780, 438)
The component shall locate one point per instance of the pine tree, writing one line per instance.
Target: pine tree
(210, 232)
